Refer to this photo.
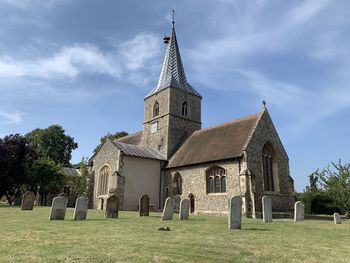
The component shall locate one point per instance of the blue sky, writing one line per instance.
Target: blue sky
(87, 66)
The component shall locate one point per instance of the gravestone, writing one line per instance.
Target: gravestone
(28, 199)
(267, 209)
(337, 218)
(184, 209)
(168, 210)
(112, 206)
(299, 211)
(144, 205)
(234, 212)
(58, 208)
(80, 210)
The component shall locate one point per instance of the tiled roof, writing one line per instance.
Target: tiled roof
(173, 73)
(135, 138)
(224, 141)
(71, 171)
(138, 151)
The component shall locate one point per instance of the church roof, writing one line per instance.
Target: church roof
(134, 138)
(138, 151)
(220, 142)
(173, 73)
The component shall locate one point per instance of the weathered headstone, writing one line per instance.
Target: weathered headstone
(299, 211)
(184, 209)
(234, 212)
(58, 208)
(337, 218)
(112, 206)
(144, 205)
(267, 209)
(28, 199)
(80, 210)
(168, 210)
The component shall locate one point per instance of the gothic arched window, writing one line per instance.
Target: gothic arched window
(103, 180)
(155, 109)
(268, 163)
(177, 184)
(184, 109)
(216, 180)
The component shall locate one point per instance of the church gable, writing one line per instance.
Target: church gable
(264, 142)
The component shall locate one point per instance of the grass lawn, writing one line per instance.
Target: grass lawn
(28, 236)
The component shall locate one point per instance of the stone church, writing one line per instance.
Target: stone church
(174, 156)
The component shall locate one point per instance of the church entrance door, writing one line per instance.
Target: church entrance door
(192, 205)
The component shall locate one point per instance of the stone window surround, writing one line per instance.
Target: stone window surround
(177, 184)
(275, 175)
(155, 109)
(215, 172)
(100, 174)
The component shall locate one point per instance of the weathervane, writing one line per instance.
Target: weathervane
(264, 104)
(173, 22)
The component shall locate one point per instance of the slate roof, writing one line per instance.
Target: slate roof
(71, 171)
(138, 151)
(220, 142)
(173, 73)
(135, 138)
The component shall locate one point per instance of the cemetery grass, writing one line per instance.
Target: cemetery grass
(28, 236)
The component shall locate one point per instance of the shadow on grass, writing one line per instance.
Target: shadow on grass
(255, 229)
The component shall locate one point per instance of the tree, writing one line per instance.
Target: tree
(336, 182)
(46, 176)
(112, 137)
(16, 157)
(52, 144)
(80, 183)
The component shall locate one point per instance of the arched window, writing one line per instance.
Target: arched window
(184, 109)
(223, 184)
(103, 180)
(155, 109)
(177, 184)
(268, 163)
(216, 180)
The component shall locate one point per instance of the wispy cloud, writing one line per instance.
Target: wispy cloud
(131, 60)
(32, 4)
(12, 117)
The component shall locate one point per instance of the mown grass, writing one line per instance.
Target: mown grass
(28, 236)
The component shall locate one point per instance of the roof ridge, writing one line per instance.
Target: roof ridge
(228, 122)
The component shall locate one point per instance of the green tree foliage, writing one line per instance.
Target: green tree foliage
(80, 183)
(46, 176)
(16, 157)
(112, 137)
(52, 144)
(329, 190)
(336, 182)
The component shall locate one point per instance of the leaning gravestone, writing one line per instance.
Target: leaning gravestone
(168, 210)
(235, 212)
(112, 206)
(144, 205)
(28, 199)
(184, 209)
(267, 209)
(337, 218)
(58, 208)
(80, 210)
(299, 211)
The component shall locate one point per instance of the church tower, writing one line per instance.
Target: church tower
(173, 108)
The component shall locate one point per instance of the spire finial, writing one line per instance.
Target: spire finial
(173, 21)
(264, 104)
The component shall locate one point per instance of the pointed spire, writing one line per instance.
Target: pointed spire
(173, 74)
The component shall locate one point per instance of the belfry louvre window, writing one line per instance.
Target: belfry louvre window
(103, 181)
(216, 180)
(155, 109)
(184, 109)
(268, 162)
(177, 184)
